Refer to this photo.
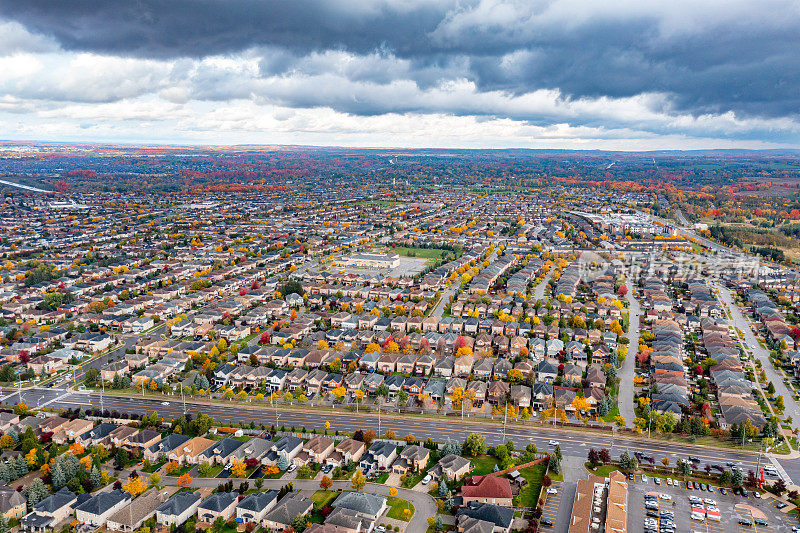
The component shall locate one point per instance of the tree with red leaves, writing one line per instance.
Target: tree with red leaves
(795, 334)
(264, 339)
(623, 290)
(460, 343)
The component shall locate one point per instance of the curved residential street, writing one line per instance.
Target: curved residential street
(791, 407)
(625, 399)
(538, 291)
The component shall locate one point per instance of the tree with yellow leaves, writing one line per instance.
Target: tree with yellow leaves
(358, 480)
(31, 458)
(340, 393)
(581, 405)
(392, 347)
(238, 469)
(463, 351)
(134, 486)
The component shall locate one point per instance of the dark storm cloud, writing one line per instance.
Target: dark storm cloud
(707, 61)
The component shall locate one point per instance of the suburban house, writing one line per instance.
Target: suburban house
(164, 446)
(178, 509)
(451, 467)
(190, 451)
(412, 459)
(379, 457)
(314, 451)
(220, 451)
(370, 505)
(286, 445)
(219, 504)
(255, 506)
(50, 512)
(132, 516)
(96, 510)
(12, 503)
(346, 450)
(291, 506)
(487, 489)
(484, 518)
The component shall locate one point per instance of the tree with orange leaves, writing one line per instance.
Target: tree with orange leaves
(76, 448)
(185, 480)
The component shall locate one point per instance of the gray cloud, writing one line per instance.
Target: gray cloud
(706, 58)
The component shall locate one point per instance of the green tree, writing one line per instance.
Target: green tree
(475, 444)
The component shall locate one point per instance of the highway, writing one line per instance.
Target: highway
(573, 443)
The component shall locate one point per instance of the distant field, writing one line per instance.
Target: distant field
(424, 253)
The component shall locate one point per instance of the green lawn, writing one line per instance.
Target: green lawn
(323, 498)
(154, 467)
(215, 470)
(483, 465)
(529, 494)
(423, 253)
(381, 479)
(602, 471)
(397, 507)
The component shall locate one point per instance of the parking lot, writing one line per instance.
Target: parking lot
(676, 500)
(552, 503)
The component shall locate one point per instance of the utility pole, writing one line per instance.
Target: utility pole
(505, 419)
(183, 399)
(379, 416)
(102, 390)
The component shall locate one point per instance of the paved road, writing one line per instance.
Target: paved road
(450, 291)
(538, 291)
(573, 444)
(791, 407)
(625, 400)
(446, 294)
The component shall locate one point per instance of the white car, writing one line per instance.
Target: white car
(291, 468)
(699, 517)
(664, 496)
(709, 501)
(644, 478)
(164, 403)
(669, 481)
(426, 479)
(553, 443)
(551, 490)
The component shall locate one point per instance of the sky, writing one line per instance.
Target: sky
(576, 74)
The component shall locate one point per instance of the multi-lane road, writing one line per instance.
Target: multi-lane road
(573, 443)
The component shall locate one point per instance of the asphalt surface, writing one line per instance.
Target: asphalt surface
(626, 374)
(574, 444)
